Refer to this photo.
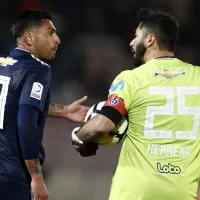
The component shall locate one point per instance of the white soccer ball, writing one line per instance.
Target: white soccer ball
(116, 135)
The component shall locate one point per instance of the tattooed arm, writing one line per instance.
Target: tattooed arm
(37, 183)
(34, 167)
(74, 112)
(56, 110)
(29, 145)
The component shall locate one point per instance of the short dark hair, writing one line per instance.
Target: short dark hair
(163, 25)
(28, 19)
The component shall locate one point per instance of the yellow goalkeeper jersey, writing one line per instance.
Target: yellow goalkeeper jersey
(160, 157)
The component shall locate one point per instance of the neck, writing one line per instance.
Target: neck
(156, 53)
(21, 46)
(27, 48)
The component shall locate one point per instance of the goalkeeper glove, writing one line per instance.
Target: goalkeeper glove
(77, 143)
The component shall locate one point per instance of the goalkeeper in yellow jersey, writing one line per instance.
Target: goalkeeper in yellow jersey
(160, 157)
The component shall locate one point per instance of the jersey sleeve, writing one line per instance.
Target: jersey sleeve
(36, 86)
(122, 92)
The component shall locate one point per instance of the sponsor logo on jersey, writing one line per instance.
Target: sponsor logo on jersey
(7, 61)
(170, 73)
(168, 169)
(119, 85)
(36, 91)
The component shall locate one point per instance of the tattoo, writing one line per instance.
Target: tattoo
(33, 166)
(55, 110)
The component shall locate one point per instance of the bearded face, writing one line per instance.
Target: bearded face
(137, 45)
(140, 51)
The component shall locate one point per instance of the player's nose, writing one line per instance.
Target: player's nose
(132, 43)
(57, 40)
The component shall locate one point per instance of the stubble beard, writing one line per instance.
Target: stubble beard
(140, 52)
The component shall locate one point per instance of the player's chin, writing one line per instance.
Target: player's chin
(53, 55)
(133, 52)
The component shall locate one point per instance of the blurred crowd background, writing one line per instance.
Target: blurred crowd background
(95, 39)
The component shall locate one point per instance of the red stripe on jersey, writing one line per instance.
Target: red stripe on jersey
(117, 103)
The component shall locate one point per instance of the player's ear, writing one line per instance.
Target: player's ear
(150, 40)
(29, 38)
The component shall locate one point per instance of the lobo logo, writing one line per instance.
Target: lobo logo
(168, 169)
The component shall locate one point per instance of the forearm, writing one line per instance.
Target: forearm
(88, 133)
(94, 128)
(56, 110)
(34, 168)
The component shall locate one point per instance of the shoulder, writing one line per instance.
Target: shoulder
(126, 77)
(31, 61)
(39, 62)
(142, 68)
(33, 65)
(26, 59)
(188, 64)
(132, 74)
(34, 68)
(125, 74)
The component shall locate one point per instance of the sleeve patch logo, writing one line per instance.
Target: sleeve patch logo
(114, 100)
(36, 91)
(120, 85)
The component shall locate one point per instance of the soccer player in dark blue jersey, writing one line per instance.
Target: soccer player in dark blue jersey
(25, 79)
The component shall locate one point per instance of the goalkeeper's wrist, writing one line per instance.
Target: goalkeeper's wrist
(77, 143)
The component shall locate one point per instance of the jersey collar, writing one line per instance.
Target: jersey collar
(165, 57)
(32, 56)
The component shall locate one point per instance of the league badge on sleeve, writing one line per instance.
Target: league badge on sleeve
(36, 91)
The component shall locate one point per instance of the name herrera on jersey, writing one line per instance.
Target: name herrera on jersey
(168, 150)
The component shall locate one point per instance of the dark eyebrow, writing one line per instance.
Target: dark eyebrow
(53, 29)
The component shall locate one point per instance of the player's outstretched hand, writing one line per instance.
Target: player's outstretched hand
(89, 149)
(75, 111)
(39, 189)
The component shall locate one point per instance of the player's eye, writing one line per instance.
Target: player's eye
(50, 32)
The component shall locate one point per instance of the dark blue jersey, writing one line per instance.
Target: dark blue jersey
(23, 80)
